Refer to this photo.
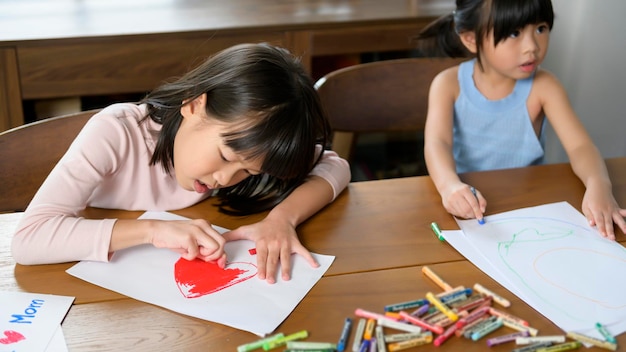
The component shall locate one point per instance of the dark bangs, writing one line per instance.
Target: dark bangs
(285, 141)
(275, 110)
(507, 16)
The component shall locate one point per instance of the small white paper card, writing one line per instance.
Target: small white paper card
(29, 321)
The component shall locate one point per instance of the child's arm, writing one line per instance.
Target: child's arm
(51, 230)
(275, 236)
(599, 205)
(456, 196)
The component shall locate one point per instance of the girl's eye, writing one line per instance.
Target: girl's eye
(515, 34)
(542, 28)
(223, 157)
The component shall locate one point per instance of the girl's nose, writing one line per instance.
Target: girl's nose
(225, 175)
(531, 43)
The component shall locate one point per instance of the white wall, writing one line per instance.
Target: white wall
(588, 54)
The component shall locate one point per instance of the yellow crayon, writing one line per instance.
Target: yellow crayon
(592, 340)
(442, 307)
(418, 341)
(561, 347)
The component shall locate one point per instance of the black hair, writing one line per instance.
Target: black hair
(266, 91)
(441, 37)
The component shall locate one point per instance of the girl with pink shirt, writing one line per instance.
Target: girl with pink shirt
(245, 126)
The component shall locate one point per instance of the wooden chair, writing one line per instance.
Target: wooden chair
(29, 152)
(382, 96)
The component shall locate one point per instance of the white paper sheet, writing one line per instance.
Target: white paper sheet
(239, 299)
(553, 260)
(31, 322)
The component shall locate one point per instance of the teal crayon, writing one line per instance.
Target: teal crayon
(437, 231)
(486, 329)
(605, 333)
(481, 323)
(396, 307)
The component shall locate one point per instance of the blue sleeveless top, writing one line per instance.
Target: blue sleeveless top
(494, 134)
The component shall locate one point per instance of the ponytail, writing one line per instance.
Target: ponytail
(440, 39)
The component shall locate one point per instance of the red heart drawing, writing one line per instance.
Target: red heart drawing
(196, 278)
(11, 336)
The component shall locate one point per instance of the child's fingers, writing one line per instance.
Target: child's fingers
(285, 263)
(604, 224)
(607, 227)
(307, 256)
(619, 219)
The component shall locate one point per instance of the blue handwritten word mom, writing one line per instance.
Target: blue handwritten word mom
(29, 312)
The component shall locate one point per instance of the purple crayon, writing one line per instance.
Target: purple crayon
(506, 338)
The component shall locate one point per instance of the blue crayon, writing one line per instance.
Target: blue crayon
(345, 335)
(486, 329)
(455, 294)
(481, 220)
(365, 346)
(396, 307)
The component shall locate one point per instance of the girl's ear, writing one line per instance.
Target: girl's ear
(194, 107)
(469, 40)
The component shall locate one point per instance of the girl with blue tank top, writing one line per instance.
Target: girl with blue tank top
(490, 112)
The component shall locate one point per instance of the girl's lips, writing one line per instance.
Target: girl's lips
(200, 187)
(528, 67)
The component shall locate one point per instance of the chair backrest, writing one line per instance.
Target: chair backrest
(29, 152)
(381, 96)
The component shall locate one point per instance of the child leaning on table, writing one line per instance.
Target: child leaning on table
(490, 111)
(245, 125)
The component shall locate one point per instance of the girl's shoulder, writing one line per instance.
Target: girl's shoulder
(546, 85)
(119, 126)
(546, 79)
(446, 82)
(122, 113)
(450, 73)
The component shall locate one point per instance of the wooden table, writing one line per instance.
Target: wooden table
(378, 231)
(79, 48)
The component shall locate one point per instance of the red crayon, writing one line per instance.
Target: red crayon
(445, 336)
(477, 313)
(437, 329)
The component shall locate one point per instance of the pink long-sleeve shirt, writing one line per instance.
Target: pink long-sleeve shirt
(108, 166)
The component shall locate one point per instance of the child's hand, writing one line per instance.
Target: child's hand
(275, 241)
(460, 201)
(601, 210)
(192, 239)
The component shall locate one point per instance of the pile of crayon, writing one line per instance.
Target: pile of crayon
(458, 312)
